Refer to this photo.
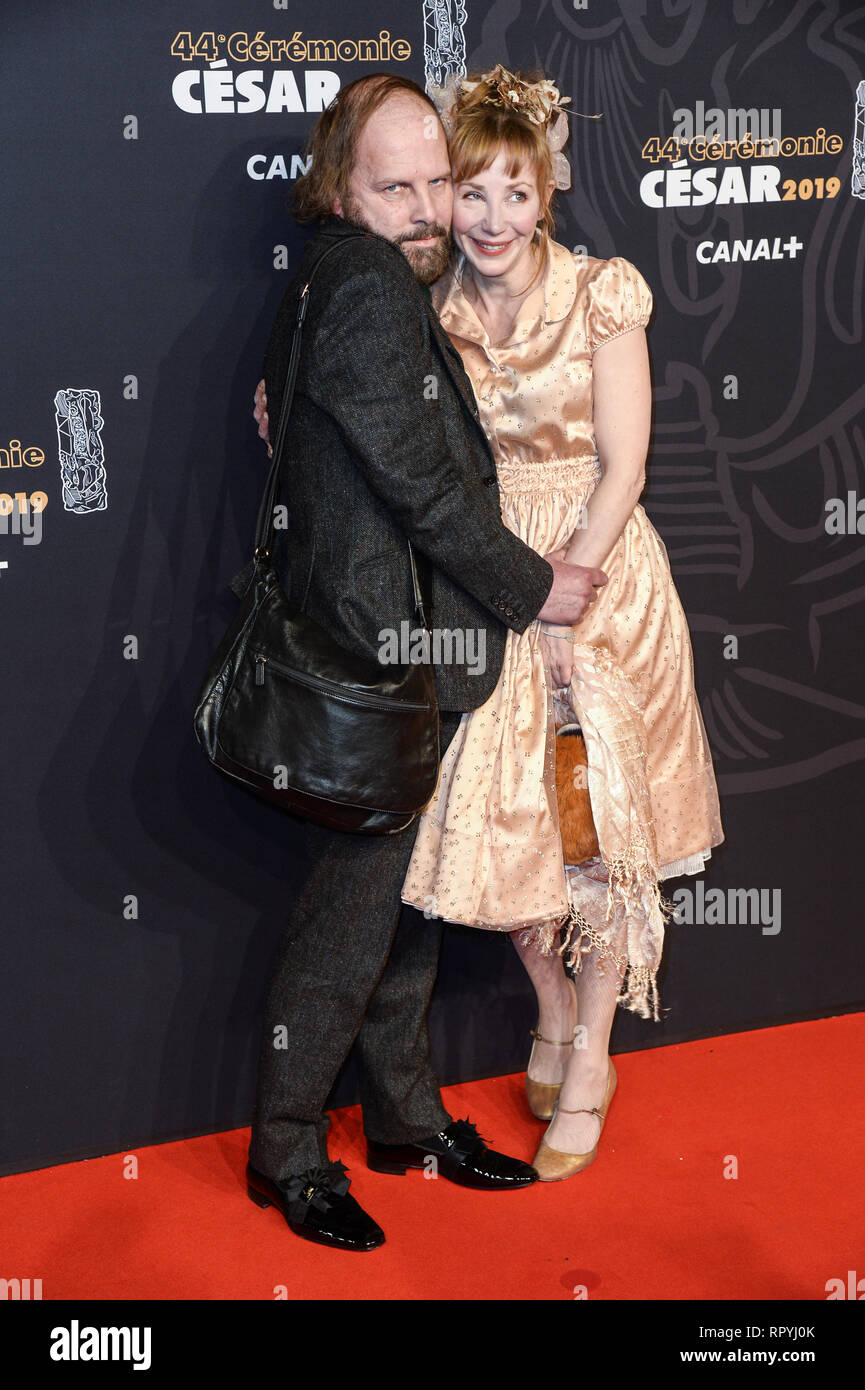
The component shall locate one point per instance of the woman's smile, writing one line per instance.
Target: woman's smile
(492, 248)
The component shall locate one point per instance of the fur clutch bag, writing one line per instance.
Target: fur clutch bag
(579, 837)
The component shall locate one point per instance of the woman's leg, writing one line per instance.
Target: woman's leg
(557, 1009)
(599, 982)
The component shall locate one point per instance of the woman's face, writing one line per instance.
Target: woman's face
(495, 217)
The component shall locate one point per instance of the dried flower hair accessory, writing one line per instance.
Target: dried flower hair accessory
(541, 102)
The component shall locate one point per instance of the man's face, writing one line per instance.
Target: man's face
(401, 186)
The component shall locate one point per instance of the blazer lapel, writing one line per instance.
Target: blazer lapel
(457, 372)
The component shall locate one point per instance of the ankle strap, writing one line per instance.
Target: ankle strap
(533, 1033)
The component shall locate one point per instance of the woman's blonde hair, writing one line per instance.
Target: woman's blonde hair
(482, 127)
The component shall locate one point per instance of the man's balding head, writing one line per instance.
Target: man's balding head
(379, 159)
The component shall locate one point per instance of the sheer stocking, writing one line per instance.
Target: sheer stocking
(599, 977)
(557, 1010)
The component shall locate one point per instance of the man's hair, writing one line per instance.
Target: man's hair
(334, 137)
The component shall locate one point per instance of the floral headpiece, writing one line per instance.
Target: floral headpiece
(541, 102)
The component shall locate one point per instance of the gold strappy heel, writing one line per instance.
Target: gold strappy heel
(542, 1095)
(554, 1164)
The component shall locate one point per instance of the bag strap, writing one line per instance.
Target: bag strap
(265, 528)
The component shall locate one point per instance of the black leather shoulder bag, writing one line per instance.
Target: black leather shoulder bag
(287, 712)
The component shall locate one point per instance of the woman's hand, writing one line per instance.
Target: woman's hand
(261, 416)
(558, 653)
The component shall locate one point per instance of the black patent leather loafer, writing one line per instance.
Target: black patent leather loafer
(460, 1154)
(318, 1206)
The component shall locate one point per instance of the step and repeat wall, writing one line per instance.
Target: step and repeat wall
(147, 154)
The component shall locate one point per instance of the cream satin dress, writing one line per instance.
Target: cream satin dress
(488, 851)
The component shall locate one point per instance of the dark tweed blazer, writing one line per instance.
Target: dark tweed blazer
(384, 443)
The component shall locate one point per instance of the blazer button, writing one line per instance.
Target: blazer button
(491, 482)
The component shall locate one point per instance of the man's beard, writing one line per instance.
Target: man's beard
(427, 262)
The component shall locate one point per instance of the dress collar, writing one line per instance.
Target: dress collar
(550, 301)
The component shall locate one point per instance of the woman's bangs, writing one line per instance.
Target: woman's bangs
(477, 145)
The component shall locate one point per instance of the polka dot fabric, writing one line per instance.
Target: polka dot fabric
(488, 852)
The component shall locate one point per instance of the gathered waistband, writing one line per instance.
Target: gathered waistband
(551, 475)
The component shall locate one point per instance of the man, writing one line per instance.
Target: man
(385, 444)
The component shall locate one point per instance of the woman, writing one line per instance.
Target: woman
(555, 347)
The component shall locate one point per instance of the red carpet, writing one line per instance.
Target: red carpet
(653, 1218)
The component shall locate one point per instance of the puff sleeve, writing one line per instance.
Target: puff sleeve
(619, 300)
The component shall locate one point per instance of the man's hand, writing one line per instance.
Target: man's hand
(574, 588)
(261, 416)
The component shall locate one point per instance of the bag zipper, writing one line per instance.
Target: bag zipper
(333, 688)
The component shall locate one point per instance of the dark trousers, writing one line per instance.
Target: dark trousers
(352, 964)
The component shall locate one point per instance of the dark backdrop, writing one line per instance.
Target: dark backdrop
(142, 894)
